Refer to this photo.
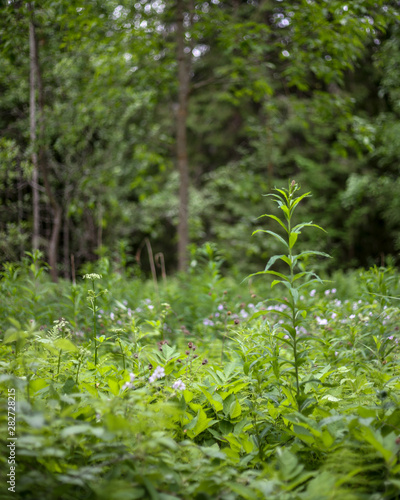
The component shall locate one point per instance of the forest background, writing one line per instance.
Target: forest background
(164, 122)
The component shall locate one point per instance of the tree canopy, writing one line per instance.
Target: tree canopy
(156, 114)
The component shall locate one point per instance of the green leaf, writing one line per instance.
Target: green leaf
(299, 227)
(277, 219)
(292, 239)
(275, 235)
(113, 385)
(202, 423)
(311, 252)
(273, 259)
(235, 409)
(65, 345)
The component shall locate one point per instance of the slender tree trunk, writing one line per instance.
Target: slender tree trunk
(42, 160)
(181, 139)
(33, 134)
(66, 245)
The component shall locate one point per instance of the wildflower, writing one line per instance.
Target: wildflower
(321, 321)
(243, 313)
(179, 385)
(205, 361)
(220, 307)
(190, 345)
(112, 316)
(336, 353)
(312, 293)
(92, 276)
(334, 315)
(157, 374)
(333, 290)
(132, 377)
(327, 292)
(237, 321)
(127, 385)
(150, 366)
(352, 316)
(391, 337)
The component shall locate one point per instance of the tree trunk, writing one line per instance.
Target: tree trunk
(181, 139)
(66, 245)
(32, 119)
(42, 160)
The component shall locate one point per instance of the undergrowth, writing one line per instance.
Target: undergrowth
(201, 388)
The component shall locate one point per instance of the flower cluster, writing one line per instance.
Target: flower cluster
(179, 385)
(157, 374)
(92, 276)
(129, 385)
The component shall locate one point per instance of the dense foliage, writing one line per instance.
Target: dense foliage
(200, 388)
(277, 89)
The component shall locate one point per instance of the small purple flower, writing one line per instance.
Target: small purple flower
(327, 292)
(179, 385)
(220, 307)
(157, 374)
(112, 316)
(312, 293)
(208, 322)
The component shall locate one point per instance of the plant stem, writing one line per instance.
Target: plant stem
(77, 371)
(94, 326)
(122, 352)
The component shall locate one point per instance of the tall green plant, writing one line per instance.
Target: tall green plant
(295, 312)
(92, 299)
